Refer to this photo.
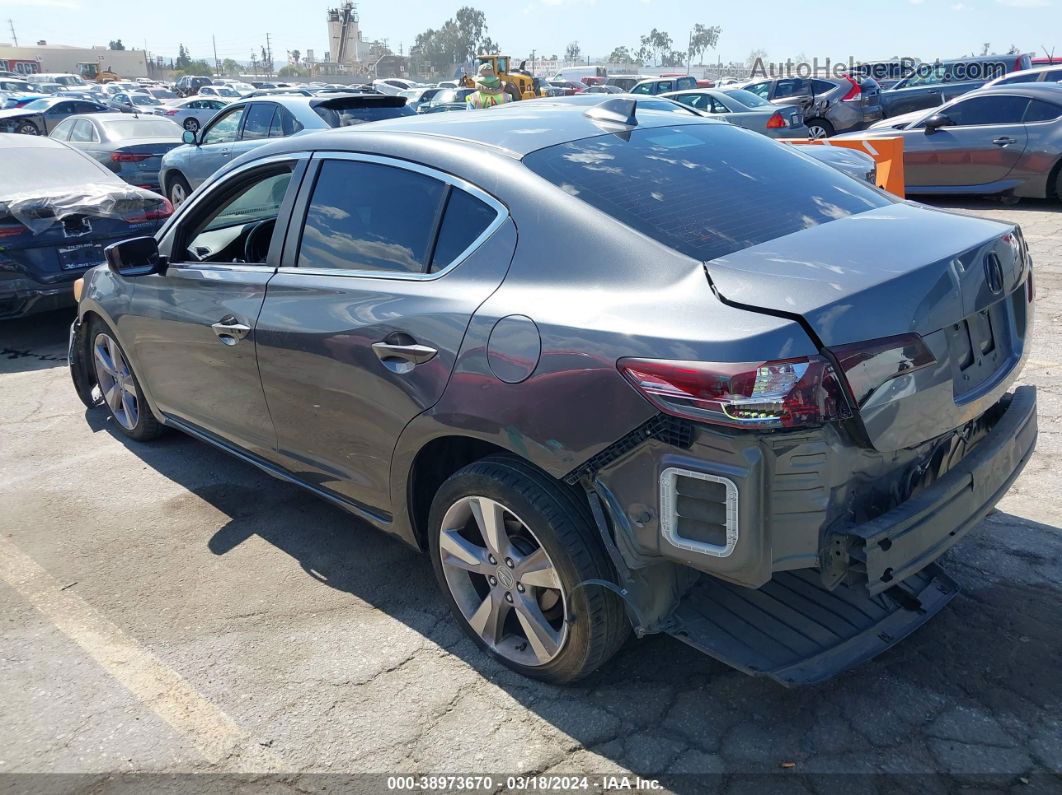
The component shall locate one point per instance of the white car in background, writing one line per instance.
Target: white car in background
(223, 92)
(195, 111)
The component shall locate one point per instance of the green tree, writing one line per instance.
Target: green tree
(658, 43)
(230, 67)
(293, 71)
(621, 55)
(182, 58)
(471, 28)
(754, 57)
(199, 67)
(295, 55)
(572, 51)
(489, 47)
(116, 45)
(701, 39)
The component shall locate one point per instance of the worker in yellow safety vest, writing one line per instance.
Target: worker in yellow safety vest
(489, 91)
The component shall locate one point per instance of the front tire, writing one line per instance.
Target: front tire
(509, 545)
(119, 387)
(27, 128)
(178, 190)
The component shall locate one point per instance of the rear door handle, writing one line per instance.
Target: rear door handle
(1004, 140)
(230, 330)
(412, 354)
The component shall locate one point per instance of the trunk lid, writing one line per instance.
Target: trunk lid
(956, 280)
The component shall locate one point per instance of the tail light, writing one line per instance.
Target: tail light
(171, 112)
(776, 121)
(162, 211)
(128, 157)
(854, 91)
(1018, 65)
(787, 393)
(11, 230)
(868, 365)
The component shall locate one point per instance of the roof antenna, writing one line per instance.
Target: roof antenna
(615, 112)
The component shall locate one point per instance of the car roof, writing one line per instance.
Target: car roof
(1049, 91)
(17, 141)
(515, 129)
(1034, 71)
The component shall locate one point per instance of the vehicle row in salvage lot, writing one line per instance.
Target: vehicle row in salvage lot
(767, 471)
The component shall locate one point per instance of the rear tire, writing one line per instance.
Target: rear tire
(575, 631)
(819, 128)
(178, 190)
(191, 124)
(119, 386)
(27, 128)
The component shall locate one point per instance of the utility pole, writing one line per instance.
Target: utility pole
(11, 24)
(217, 63)
(254, 64)
(689, 53)
(269, 55)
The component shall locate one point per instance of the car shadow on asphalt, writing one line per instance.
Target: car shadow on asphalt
(35, 342)
(682, 716)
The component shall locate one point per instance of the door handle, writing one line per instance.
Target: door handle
(230, 330)
(1004, 140)
(412, 354)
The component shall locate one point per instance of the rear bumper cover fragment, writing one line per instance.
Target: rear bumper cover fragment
(904, 540)
(796, 632)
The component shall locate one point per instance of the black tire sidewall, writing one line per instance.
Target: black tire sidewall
(479, 480)
(178, 179)
(824, 124)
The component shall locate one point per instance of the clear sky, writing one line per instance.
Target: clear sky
(868, 30)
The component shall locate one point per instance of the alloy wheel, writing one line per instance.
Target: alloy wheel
(815, 132)
(177, 194)
(116, 381)
(192, 125)
(29, 129)
(503, 581)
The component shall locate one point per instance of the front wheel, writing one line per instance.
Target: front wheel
(509, 545)
(819, 128)
(179, 189)
(27, 128)
(119, 388)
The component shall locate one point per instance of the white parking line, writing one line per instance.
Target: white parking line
(154, 684)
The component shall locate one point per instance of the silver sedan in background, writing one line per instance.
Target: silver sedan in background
(747, 110)
(193, 112)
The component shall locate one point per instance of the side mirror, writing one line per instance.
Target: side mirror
(188, 137)
(936, 121)
(138, 256)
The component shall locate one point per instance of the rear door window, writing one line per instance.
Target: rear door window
(259, 119)
(703, 189)
(370, 217)
(978, 111)
(1042, 111)
(464, 220)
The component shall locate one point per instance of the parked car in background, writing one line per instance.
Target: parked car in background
(136, 102)
(829, 104)
(188, 85)
(447, 84)
(856, 164)
(885, 73)
(249, 123)
(601, 88)
(63, 78)
(568, 87)
(392, 85)
(130, 146)
(12, 86)
(447, 100)
(1038, 74)
(1001, 140)
(415, 97)
(58, 209)
(163, 94)
(41, 116)
(275, 92)
(664, 85)
(763, 433)
(754, 113)
(193, 112)
(936, 83)
(224, 92)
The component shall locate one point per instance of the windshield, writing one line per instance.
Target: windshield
(747, 98)
(70, 80)
(14, 85)
(163, 93)
(145, 99)
(36, 169)
(225, 91)
(142, 128)
(38, 104)
(338, 116)
(705, 190)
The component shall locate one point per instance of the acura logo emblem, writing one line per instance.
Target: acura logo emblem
(994, 273)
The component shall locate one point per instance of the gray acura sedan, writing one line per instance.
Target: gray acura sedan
(610, 367)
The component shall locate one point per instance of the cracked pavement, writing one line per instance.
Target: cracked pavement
(325, 645)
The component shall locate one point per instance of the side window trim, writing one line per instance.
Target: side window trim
(167, 236)
(300, 209)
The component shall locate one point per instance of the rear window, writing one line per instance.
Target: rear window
(703, 189)
(338, 114)
(33, 169)
(142, 128)
(747, 98)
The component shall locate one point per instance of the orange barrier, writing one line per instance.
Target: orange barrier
(887, 153)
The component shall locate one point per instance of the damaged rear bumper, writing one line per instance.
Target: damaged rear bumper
(906, 539)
